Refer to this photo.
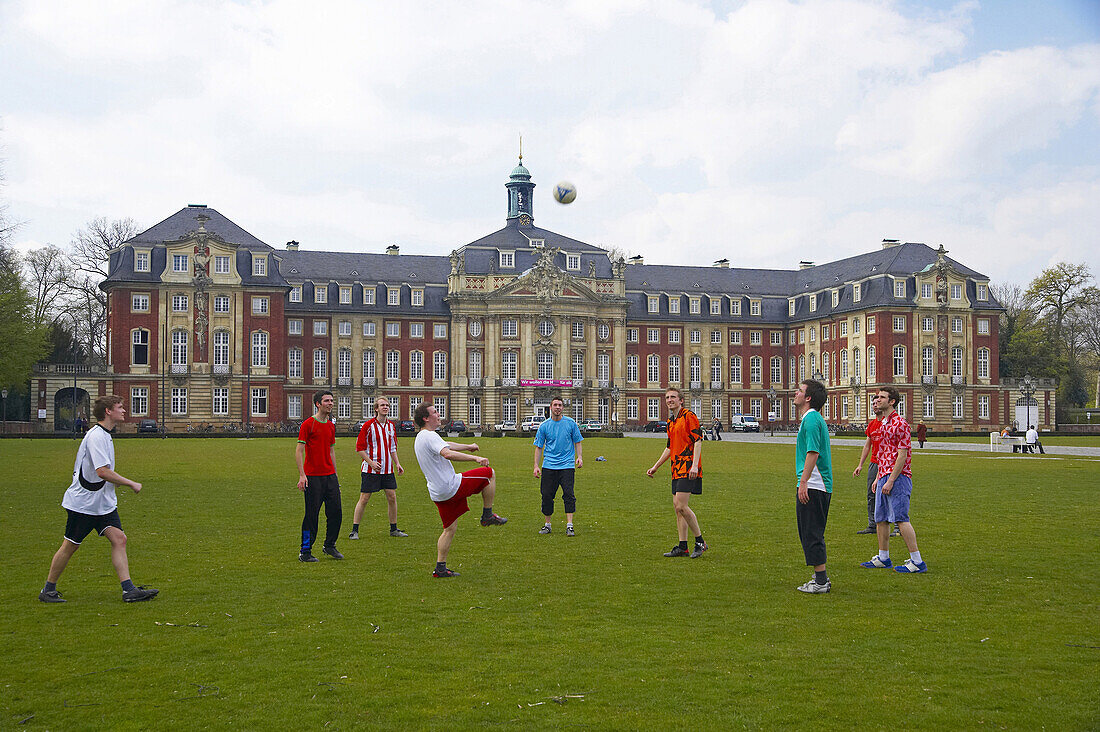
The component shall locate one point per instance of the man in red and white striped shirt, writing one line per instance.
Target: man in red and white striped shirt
(377, 446)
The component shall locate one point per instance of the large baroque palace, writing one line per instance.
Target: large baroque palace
(208, 324)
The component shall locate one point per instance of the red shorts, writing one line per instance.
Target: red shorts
(473, 481)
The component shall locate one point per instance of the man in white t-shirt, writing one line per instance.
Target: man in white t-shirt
(92, 505)
(1031, 439)
(450, 490)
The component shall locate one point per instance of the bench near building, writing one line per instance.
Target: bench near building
(208, 324)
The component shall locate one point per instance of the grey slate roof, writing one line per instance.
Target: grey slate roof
(513, 236)
(183, 222)
(340, 266)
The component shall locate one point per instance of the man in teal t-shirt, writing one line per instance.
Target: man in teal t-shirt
(814, 474)
(557, 455)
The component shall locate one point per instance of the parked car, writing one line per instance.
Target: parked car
(147, 425)
(531, 423)
(744, 423)
(591, 425)
(456, 425)
(657, 426)
(406, 427)
(508, 425)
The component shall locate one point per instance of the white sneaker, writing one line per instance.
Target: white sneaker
(813, 588)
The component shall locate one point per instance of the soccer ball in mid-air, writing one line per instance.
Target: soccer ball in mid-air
(565, 192)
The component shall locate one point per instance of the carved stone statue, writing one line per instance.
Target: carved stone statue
(591, 269)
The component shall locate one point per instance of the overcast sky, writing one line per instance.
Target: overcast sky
(763, 131)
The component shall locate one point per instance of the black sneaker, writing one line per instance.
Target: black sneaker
(494, 520)
(139, 593)
(868, 530)
(398, 533)
(677, 551)
(447, 572)
(332, 552)
(51, 596)
(307, 557)
(698, 550)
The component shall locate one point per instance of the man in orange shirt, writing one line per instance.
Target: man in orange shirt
(684, 446)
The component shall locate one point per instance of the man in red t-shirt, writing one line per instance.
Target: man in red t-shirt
(870, 448)
(316, 455)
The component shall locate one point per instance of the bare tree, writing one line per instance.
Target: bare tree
(91, 251)
(48, 277)
(1056, 294)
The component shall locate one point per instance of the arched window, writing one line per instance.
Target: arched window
(872, 365)
(416, 365)
(777, 371)
(653, 369)
(259, 349)
(139, 353)
(673, 369)
(320, 363)
(735, 370)
(983, 363)
(899, 360)
(439, 366)
(756, 366)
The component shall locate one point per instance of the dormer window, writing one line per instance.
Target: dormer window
(320, 293)
(221, 264)
(573, 261)
(538, 243)
(259, 266)
(754, 307)
(790, 306)
(857, 292)
(141, 261)
(296, 293)
(654, 304)
(735, 307)
(813, 303)
(368, 295)
(507, 260)
(694, 305)
(836, 298)
(393, 296)
(899, 288)
(715, 306)
(983, 292)
(179, 263)
(674, 303)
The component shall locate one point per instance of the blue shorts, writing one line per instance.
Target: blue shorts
(893, 508)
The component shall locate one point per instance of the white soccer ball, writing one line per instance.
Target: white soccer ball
(565, 192)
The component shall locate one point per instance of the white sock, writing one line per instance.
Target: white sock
(883, 555)
(915, 556)
(547, 523)
(570, 524)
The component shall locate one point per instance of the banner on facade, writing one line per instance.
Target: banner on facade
(546, 382)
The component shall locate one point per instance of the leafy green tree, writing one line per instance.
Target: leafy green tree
(23, 339)
(1057, 295)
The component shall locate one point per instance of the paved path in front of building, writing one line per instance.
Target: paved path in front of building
(852, 441)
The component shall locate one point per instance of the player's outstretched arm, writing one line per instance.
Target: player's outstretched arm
(107, 474)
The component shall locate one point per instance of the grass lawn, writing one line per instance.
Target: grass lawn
(598, 630)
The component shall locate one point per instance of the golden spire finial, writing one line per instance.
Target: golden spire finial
(521, 149)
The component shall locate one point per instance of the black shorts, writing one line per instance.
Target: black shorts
(79, 525)
(374, 482)
(687, 485)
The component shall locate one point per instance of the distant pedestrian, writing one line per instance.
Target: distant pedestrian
(316, 456)
(91, 503)
(558, 454)
(814, 481)
(895, 485)
(922, 434)
(1031, 439)
(716, 425)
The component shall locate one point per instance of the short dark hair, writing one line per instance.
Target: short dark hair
(892, 395)
(557, 399)
(816, 393)
(319, 395)
(420, 416)
(103, 404)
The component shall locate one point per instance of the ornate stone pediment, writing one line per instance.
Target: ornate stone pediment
(547, 282)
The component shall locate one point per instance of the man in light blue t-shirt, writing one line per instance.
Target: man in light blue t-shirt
(814, 475)
(557, 455)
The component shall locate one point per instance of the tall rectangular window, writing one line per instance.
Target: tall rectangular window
(141, 261)
(259, 401)
(221, 304)
(368, 295)
(632, 368)
(509, 328)
(416, 365)
(294, 407)
(221, 347)
(220, 401)
(439, 366)
(343, 407)
(393, 365)
(140, 354)
(345, 294)
(653, 408)
(179, 400)
(139, 400)
(393, 296)
(294, 363)
(320, 293)
(320, 363)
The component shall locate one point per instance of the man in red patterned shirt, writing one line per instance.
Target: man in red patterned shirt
(894, 486)
(377, 446)
(685, 447)
(316, 456)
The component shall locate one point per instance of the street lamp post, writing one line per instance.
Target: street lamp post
(75, 346)
(248, 386)
(615, 392)
(5, 408)
(771, 409)
(1028, 388)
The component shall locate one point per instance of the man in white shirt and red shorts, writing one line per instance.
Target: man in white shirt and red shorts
(448, 489)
